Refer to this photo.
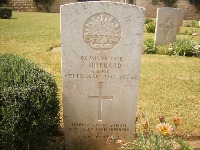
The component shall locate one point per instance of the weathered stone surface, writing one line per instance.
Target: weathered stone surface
(101, 46)
(166, 25)
(180, 17)
(190, 10)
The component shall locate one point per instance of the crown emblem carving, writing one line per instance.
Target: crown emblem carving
(101, 32)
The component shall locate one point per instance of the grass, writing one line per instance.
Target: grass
(30, 35)
(169, 85)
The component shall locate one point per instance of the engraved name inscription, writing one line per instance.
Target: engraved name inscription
(101, 32)
(101, 67)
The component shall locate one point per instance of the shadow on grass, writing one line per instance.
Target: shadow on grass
(8, 18)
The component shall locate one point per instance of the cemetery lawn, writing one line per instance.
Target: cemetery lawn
(169, 85)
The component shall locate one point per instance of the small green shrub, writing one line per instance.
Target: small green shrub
(196, 3)
(191, 24)
(4, 2)
(45, 3)
(148, 20)
(149, 47)
(169, 2)
(150, 27)
(187, 32)
(5, 13)
(165, 50)
(29, 105)
(185, 47)
(155, 2)
(181, 47)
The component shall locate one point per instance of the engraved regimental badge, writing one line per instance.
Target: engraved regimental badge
(101, 32)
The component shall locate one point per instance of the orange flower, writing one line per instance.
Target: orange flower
(144, 121)
(145, 124)
(164, 129)
(176, 121)
(161, 118)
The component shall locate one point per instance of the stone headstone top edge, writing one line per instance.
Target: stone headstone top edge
(117, 3)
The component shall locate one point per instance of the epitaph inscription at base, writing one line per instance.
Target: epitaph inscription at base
(101, 52)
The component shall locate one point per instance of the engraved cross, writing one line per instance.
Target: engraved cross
(167, 26)
(100, 99)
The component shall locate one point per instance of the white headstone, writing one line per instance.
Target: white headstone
(101, 52)
(166, 25)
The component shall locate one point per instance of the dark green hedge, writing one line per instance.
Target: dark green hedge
(29, 105)
(5, 13)
(169, 3)
(3, 1)
(196, 3)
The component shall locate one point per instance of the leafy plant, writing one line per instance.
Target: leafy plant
(196, 3)
(45, 3)
(181, 47)
(29, 105)
(5, 13)
(154, 2)
(159, 138)
(4, 2)
(148, 20)
(149, 47)
(165, 50)
(191, 24)
(169, 2)
(186, 32)
(150, 27)
(185, 47)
